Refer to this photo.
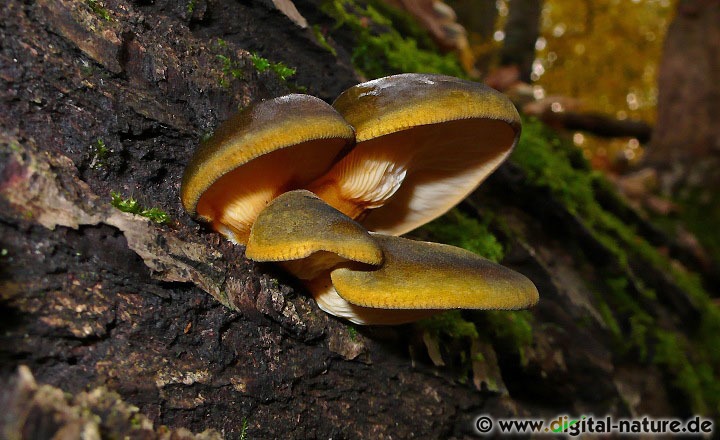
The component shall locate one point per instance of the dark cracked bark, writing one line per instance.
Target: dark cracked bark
(174, 319)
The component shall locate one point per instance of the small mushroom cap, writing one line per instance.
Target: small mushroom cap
(299, 225)
(431, 139)
(258, 153)
(422, 275)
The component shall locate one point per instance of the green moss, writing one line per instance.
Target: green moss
(98, 9)
(352, 332)
(156, 215)
(87, 69)
(457, 229)
(320, 37)
(230, 70)
(230, 67)
(513, 329)
(375, 55)
(449, 324)
(380, 49)
(640, 328)
(670, 351)
(608, 318)
(283, 71)
(190, 8)
(550, 162)
(263, 64)
(136, 421)
(553, 163)
(100, 154)
(454, 336)
(403, 22)
(700, 213)
(205, 136)
(132, 206)
(243, 430)
(129, 205)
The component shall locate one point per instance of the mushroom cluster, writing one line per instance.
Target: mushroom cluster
(301, 183)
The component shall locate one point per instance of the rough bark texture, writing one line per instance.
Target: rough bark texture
(43, 411)
(177, 322)
(686, 138)
(685, 144)
(521, 32)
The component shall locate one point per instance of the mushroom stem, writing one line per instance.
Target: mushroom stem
(240, 210)
(330, 191)
(312, 266)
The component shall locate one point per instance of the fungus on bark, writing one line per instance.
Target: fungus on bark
(422, 143)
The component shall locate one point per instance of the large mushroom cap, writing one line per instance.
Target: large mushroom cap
(270, 147)
(422, 275)
(424, 142)
(300, 226)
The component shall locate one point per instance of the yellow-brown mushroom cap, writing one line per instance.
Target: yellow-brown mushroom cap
(300, 226)
(329, 301)
(422, 275)
(424, 142)
(400, 102)
(258, 153)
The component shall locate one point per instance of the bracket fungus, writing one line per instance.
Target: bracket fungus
(301, 182)
(423, 143)
(256, 155)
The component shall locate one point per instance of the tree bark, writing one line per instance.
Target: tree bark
(686, 139)
(521, 32)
